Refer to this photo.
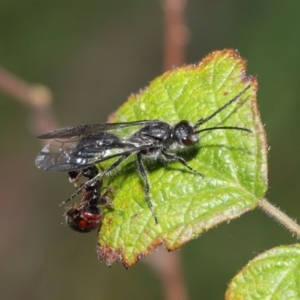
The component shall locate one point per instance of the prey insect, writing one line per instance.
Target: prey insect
(87, 216)
(76, 148)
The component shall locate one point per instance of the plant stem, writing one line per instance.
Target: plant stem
(168, 265)
(176, 33)
(280, 216)
(38, 98)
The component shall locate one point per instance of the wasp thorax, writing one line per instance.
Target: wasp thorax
(184, 133)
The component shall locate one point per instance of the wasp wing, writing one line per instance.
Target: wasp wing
(79, 152)
(86, 130)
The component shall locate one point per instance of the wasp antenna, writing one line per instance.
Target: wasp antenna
(224, 127)
(202, 121)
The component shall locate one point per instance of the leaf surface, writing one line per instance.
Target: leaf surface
(234, 162)
(274, 274)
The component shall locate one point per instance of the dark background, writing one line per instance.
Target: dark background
(93, 54)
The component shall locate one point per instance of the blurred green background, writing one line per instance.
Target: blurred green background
(92, 55)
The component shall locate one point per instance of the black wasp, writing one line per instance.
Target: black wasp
(87, 216)
(76, 148)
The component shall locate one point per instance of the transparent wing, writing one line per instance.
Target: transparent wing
(74, 148)
(65, 155)
(60, 155)
(86, 130)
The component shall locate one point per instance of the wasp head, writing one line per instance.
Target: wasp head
(184, 134)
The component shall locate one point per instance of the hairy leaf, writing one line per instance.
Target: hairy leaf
(274, 274)
(234, 162)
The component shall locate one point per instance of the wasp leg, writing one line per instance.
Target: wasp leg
(169, 157)
(105, 200)
(143, 173)
(102, 174)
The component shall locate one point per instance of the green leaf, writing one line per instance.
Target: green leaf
(274, 274)
(234, 162)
